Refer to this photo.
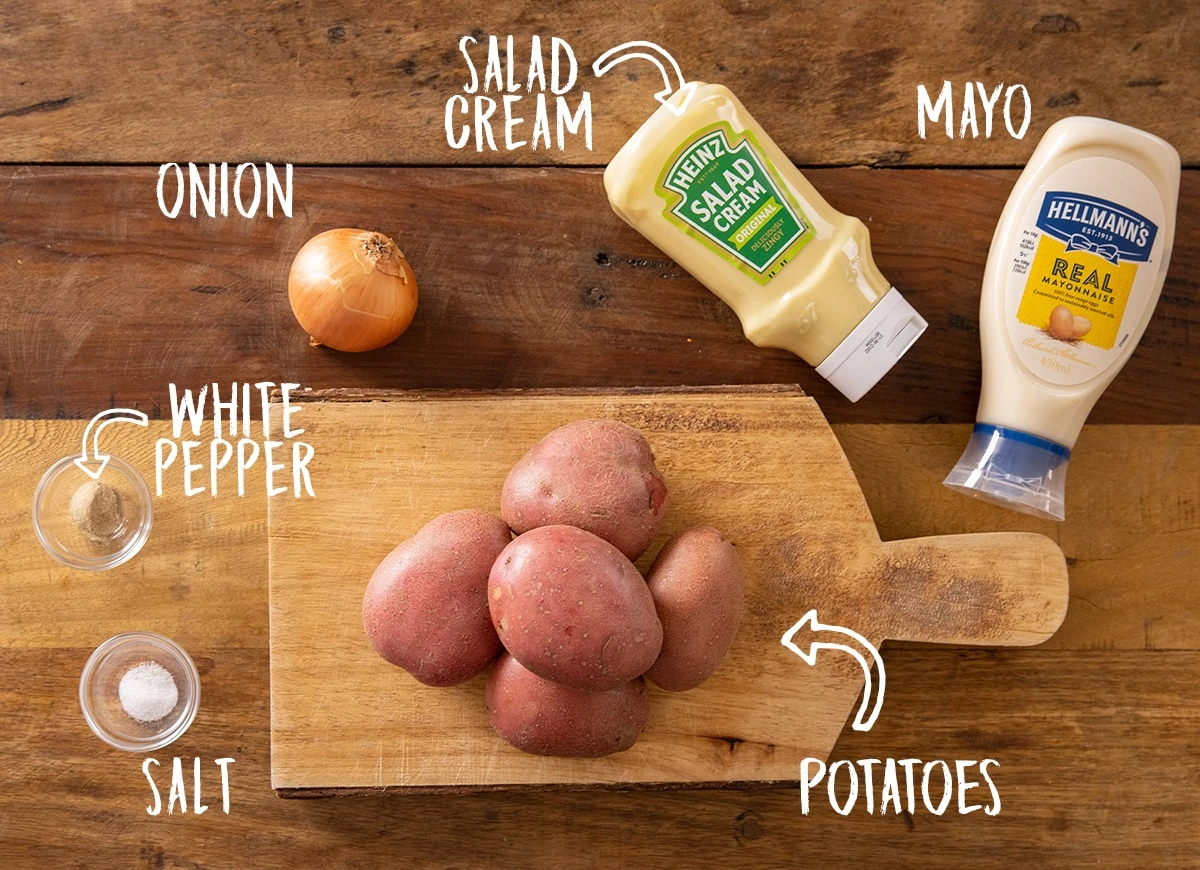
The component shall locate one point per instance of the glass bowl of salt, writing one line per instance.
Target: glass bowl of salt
(139, 691)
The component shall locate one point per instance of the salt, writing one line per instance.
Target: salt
(148, 692)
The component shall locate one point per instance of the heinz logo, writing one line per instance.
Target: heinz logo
(1088, 223)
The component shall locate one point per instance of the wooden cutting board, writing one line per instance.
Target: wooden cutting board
(761, 464)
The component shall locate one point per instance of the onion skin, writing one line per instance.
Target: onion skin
(352, 290)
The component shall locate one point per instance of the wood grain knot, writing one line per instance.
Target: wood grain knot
(593, 297)
(1059, 100)
(749, 825)
(1056, 24)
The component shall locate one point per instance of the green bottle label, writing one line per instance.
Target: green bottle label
(727, 196)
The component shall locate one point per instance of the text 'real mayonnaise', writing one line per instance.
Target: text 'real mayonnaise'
(711, 189)
(1076, 267)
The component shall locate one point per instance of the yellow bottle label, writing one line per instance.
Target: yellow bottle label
(1076, 295)
(719, 188)
(1081, 273)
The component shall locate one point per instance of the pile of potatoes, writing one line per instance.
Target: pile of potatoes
(573, 629)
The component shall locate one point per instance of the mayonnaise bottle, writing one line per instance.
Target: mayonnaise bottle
(1076, 267)
(708, 186)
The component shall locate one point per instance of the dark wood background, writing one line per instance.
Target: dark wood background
(528, 280)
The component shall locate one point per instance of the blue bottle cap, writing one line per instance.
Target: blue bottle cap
(1013, 469)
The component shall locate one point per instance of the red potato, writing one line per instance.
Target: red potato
(572, 609)
(597, 475)
(545, 718)
(698, 590)
(426, 608)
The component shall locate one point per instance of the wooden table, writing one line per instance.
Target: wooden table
(528, 280)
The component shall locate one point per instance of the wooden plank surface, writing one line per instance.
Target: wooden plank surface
(1132, 575)
(357, 82)
(45, 605)
(1093, 731)
(1108, 781)
(761, 466)
(527, 279)
(188, 582)
(224, 546)
(530, 281)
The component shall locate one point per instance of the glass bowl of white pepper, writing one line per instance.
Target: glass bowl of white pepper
(92, 523)
(139, 691)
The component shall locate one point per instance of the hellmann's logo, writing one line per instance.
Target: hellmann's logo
(1088, 223)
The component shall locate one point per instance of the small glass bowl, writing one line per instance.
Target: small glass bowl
(64, 540)
(101, 703)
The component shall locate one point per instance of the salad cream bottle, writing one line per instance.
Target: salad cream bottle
(705, 183)
(1076, 267)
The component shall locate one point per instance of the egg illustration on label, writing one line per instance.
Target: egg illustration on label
(1062, 323)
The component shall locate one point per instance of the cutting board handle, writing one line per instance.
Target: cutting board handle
(992, 589)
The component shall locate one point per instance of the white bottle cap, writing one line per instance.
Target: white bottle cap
(870, 351)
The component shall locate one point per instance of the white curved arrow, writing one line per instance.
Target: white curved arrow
(97, 423)
(658, 56)
(863, 720)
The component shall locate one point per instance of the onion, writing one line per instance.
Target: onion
(352, 290)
